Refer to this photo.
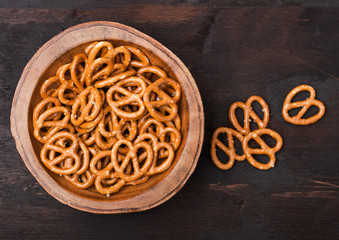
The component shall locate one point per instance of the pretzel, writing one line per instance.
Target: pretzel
(229, 150)
(126, 53)
(131, 156)
(305, 104)
(115, 186)
(103, 142)
(265, 149)
(130, 98)
(166, 100)
(79, 164)
(105, 47)
(93, 74)
(50, 87)
(45, 104)
(150, 69)
(157, 146)
(161, 132)
(86, 106)
(143, 60)
(249, 114)
(111, 80)
(69, 98)
(54, 126)
(95, 128)
(78, 71)
(88, 138)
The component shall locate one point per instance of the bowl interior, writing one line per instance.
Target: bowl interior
(127, 191)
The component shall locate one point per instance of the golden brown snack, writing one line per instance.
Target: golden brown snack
(229, 150)
(305, 105)
(249, 114)
(264, 150)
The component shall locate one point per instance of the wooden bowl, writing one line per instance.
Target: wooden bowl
(60, 50)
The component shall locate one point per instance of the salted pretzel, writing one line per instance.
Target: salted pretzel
(166, 100)
(87, 106)
(50, 87)
(150, 69)
(99, 69)
(104, 47)
(130, 98)
(305, 105)
(68, 98)
(77, 69)
(126, 56)
(125, 129)
(131, 156)
(249, 114)
(229, 150)
(79, 165)
(107, 82)
(157, 146)
(53, 126)
(155, 127)
(143, 60)
(84, 180)
(96, 129)
(264, 148)
(42, 106)
(112, 188)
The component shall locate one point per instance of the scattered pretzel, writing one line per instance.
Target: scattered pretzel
(305, 104)
(92, 113)
(249, 114)
(265, 149)
(229, 151)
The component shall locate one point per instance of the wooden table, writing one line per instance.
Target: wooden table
(234, 49)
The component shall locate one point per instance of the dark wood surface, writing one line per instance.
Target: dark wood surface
(234, 49)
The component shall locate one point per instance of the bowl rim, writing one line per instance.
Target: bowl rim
(170, 186)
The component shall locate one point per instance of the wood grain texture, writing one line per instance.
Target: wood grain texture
(234, 50)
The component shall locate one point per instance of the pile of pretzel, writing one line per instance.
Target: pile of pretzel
(245, 135)
(108, 118)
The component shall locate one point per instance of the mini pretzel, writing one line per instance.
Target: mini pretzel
(265, 149)
(125, 129)
(54, 126)
(50, 87)
(111, 80)
(139, 54)
(130, 98)
(150, 69)
(78, 71)
(166, 100)
(157, 146)
(126, 53)
(131, 156)
(229, 150)
(69, 98)
(305, 104)
(161, 132)
(81, 181)
(106, 48)
(93, 74)
(86, 106)
(249, 114)
(45, 104)
(115, 186)
(80, 164)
